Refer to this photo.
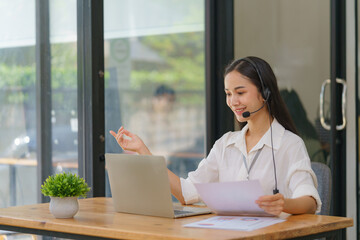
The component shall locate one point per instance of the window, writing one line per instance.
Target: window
(17, 103)
(155, 77)
(18, 158)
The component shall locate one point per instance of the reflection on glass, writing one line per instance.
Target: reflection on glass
(315, 137)
(64, 107)
(300, 57)
(17, 103)
(155, 83)
(18, 173)
(64, 85)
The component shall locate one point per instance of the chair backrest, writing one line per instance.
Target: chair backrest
(323, 174)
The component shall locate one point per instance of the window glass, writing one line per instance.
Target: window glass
(64, 85)
(17, 103)
(155, 77)
(299, 56)
(18, 172)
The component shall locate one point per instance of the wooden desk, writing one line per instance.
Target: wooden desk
(96, 219)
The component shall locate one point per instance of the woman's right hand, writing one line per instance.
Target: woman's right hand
(130, 142)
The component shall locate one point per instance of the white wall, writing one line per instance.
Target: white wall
(293, 36)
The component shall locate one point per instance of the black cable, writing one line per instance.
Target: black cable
(266, 94)
(276, 190)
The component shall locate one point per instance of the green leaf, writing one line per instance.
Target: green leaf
(64, 185)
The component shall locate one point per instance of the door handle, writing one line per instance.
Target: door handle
(343, 104)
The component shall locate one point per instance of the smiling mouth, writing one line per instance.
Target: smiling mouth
(239, 111)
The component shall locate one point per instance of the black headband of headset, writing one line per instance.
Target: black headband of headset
(265, 91)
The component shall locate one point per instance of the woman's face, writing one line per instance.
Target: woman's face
(241, 95)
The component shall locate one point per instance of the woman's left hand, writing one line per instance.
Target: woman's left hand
(273, 204)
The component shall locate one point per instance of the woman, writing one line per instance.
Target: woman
(258, 151)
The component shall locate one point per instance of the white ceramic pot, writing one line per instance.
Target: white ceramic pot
(65, 207)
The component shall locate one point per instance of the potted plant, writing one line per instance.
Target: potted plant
(64, 190)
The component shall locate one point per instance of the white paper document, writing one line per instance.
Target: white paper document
(236, 223)
(232, 198)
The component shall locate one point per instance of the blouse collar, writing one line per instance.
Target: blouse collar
(277, 132)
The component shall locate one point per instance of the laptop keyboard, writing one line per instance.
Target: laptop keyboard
(180, 212)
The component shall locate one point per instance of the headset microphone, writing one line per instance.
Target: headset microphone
(247, 113)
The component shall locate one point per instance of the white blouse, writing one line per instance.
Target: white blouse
(225, 163)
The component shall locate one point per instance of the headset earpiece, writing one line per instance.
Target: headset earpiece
(266, 91)
(266, 94)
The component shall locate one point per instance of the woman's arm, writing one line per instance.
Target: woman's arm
(304, 204)
(175, 186)
(301, 182)
(275, 204)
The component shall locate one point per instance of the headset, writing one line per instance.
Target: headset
(265, 92)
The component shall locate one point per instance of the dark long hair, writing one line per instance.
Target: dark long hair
(277, 106)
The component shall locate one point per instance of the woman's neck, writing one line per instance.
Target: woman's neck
(259, 124)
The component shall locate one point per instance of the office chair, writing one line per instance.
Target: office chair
(323, 174)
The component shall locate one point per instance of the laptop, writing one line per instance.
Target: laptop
(139, 184)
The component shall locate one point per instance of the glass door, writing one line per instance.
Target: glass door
(303, 43)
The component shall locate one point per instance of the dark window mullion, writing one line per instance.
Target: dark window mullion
(91, 94)
(357, 112)
(219, 51)
(43, 95)
(338, 138)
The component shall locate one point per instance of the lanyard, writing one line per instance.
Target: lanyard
(253, 161)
